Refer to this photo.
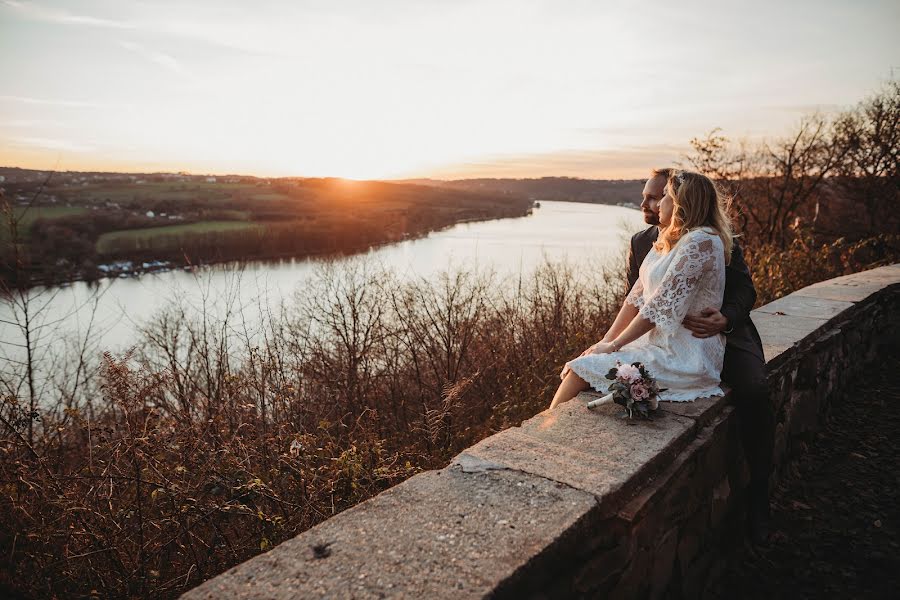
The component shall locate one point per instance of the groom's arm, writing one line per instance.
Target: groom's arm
(740, 294)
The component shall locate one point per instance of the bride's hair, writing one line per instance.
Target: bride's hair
(698, 203)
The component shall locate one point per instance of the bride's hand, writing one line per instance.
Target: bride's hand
(599, 348)
(602, 348)
(590, 349)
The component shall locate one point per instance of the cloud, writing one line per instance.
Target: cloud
(634, 162)
(43, 13)
(33, 123)
(162, 59)
(46, 102)
(52, 144)
(805, 109)
(196, 31)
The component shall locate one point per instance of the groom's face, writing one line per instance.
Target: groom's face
(653, 193)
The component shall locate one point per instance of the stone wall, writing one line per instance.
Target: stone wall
(579, 503)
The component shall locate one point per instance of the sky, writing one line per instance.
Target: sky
(421, 88)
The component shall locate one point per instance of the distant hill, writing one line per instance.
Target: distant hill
(570, 189)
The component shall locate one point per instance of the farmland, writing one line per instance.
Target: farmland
(81, 221)
(117, 242)
(26, 217)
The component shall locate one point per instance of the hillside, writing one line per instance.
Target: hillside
(76, 225)
(570, 189)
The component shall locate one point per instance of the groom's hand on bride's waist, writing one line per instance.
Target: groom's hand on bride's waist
(708, 323)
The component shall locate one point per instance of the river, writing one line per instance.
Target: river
(556, 230)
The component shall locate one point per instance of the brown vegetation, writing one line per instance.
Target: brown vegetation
(213, 440)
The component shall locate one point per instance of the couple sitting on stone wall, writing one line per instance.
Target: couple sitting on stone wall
(687, 318)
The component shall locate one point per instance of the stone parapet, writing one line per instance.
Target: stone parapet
(578, 503)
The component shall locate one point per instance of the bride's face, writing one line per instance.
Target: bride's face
(666, 206)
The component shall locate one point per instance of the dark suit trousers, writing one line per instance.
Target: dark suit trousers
(745, 373)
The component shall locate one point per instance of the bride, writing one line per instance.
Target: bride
(683, 273)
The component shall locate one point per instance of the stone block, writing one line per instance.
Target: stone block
(604, 570)
(691, 534)
(808, 307)
(781, 333)
(646, 531)
(598, 451)
(663, 561)
(702, 410)
(635, 580)
(440, 534)
(720, 496)
(813, 365)
(842, 290)
(604, 533)
(856, 287)
(714, 456)
(779, 390)
(667, 493)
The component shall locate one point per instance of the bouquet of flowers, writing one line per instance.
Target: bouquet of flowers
(633, 388)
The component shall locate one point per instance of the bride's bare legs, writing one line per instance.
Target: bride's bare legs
(569, 388)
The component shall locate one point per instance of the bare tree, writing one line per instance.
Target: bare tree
(869, 175)
(774, 183)
(33, 322)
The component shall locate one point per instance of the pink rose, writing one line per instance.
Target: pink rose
(639, 391)
(628, 372)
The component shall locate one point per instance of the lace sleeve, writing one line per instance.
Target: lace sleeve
(668, 304)
(636, 296)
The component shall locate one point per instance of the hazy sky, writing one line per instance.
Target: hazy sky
(444, 88)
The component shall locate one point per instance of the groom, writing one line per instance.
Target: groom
(745, 365)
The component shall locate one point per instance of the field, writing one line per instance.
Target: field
(191, 220)
(27, 216)
(133, 194)
(157, 237)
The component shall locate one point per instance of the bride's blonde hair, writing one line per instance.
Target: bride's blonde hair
(698, 203)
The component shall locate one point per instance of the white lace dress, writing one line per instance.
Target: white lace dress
(683, 281)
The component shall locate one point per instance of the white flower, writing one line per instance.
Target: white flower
(628, 372)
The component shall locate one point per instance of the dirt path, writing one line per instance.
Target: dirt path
(836, 514)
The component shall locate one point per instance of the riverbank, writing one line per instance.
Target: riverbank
(130, 269)
(63, 228)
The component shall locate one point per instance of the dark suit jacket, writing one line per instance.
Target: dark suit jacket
(740, 295)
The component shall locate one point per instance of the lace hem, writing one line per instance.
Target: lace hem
(636, 301)
(599, 383)
(690, 395)
(662, 322)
